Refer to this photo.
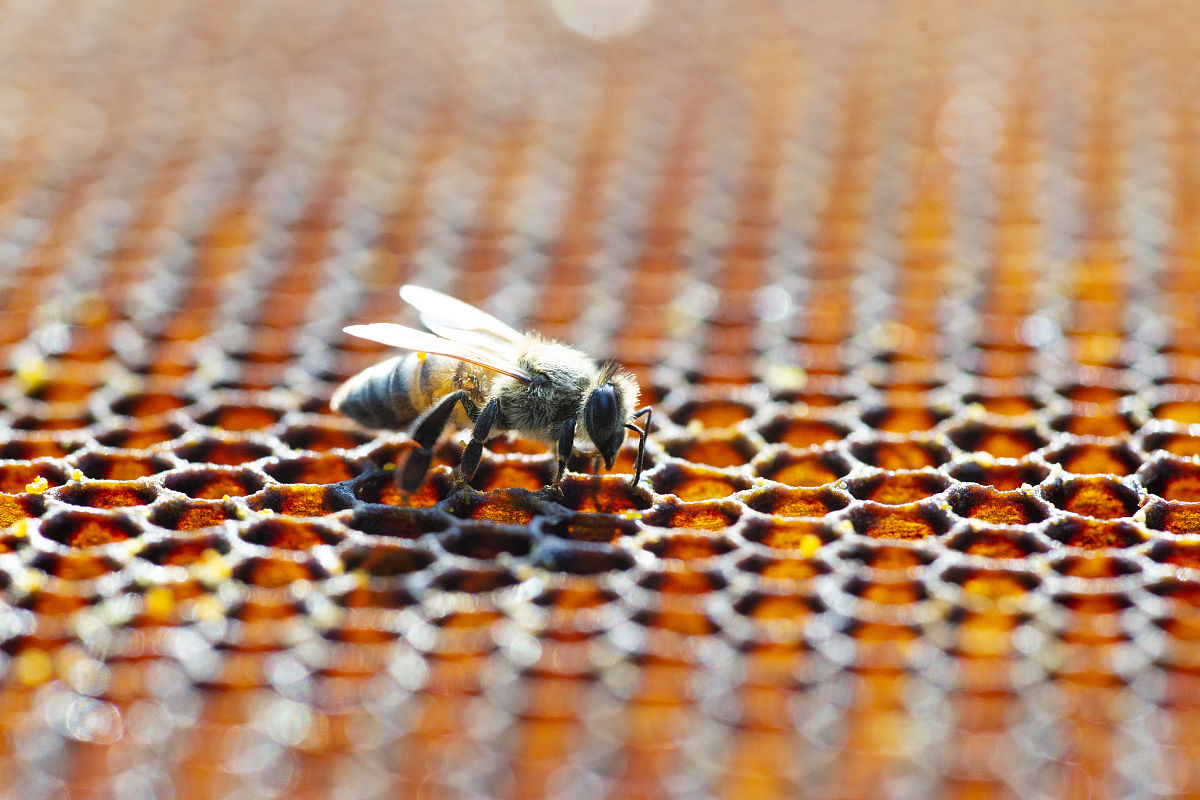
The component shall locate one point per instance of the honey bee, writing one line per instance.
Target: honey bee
(474, 369)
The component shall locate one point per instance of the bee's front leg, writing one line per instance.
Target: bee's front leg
(479, 435)
(566, 445)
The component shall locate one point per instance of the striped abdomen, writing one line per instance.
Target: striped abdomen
(393, 393)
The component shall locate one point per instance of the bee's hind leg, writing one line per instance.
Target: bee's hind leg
(425, 434)
(566, 445)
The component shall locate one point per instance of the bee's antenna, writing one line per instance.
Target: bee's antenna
(647, 412)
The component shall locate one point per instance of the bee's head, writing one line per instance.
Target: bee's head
(607, 408)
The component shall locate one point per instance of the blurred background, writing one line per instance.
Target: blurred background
(913, 286)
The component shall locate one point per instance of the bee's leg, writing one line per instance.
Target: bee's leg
(425, 434)
(566, 443)
(648, 413)
(479, 434)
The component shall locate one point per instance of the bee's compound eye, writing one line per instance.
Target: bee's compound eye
(602, 418)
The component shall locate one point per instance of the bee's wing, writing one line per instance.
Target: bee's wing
(459, 321)
(422, 342)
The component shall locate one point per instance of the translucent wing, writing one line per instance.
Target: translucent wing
(410, 339)
(461, 322)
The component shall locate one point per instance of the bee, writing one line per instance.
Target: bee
(474, 369)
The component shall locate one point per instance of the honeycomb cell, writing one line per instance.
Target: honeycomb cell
(301, 500)
(122, 466)
(508, 507)
(82, 529)
(1177, 444)
(15, 509)
(909, 454)
(267, 572)
(384, 487)
(20, 447)
(1001, 477)
(240, 417)
(484, 541)
(801, 535)
(804, 469)
(997, 441)
(149, 404)
(802, 432)
(999, 542)
(1174, 517)
(1094, 422)
(1102, 498)
(904, 418)
(714, 449)
(990, 585)
(56, 419)
(323, 438)
(792, 571)
(1095, 566)
(880, 555)
(106, 494)
(592, 527)
(474, 581)
(288, 534)
(1095, 459)
(22, 476)
(1172, 479)
(898, 487)
(797, 502)
(313, 469)
(602, 494)
(998, 508)
(1183, 411)
(1184, 554)
(214, 483)
(689, 547)
(232, 452)
(714, 413)
(183, 551)
(1012, 404)
(529, 474)
(192, 516)
(1096, 534)
(398, 523)
(75, 567)
(141, 436)
(386, 560)
(704, 516)
(690, 483)
(914, 521)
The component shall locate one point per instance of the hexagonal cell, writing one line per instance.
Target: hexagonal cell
(879, 555)
(1178, 554)
(55, 419)
(81, 529)
(386, 560)
(1098, 497)
(182, 551)
(593, 527)
(231, 452)
(1173, 517)
(1096, 534)
(185, 516)
(399, 523)
(998, 508)
(915, 521)
(580, 558)
(384, 487)
(122, 466)
(902, 454)
(213, 483)
(1093, 422)
(530, 474)
(313, 469)
(240, 418)
(888, 592)
(714, 413)
(288, 534)
(15, 509)
(484, 541)
(683, 623)
(75, 566)
(106, 494)
(139, 437)
(767, 607)
(986, 541)
(803, 469)
(505, 506)
(714, 449)
(1004, 405)
(267, 572)
(149, 404)
(798, 501)
(802, 432)
(1094, 393)
(904, 418)
(602, 494)
(1095, 566)
(300, 500)
(17, 478)
(804, 536)
(1185, 411)
(18, 447)
(1095, 459)
(1172, 479)
(683, 581)
(997, 441)
(62, 390)
(782, 568)
(689, 547)
(1002, 477)
(991, 584)
(695, 483)
(474, 581)
(897, 488)
(1178, 444)
(322, 438)
(703, 516)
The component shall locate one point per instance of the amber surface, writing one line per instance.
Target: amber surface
(913, 289)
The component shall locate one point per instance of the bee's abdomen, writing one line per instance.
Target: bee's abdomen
(381, 396)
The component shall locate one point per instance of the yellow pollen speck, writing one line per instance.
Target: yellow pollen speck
(76, 474)
(33, 667)
(159, 602)
(38, 485)
(809, 544)
(422, 356)
(30, 374)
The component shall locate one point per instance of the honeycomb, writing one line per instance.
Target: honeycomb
(912, 287)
